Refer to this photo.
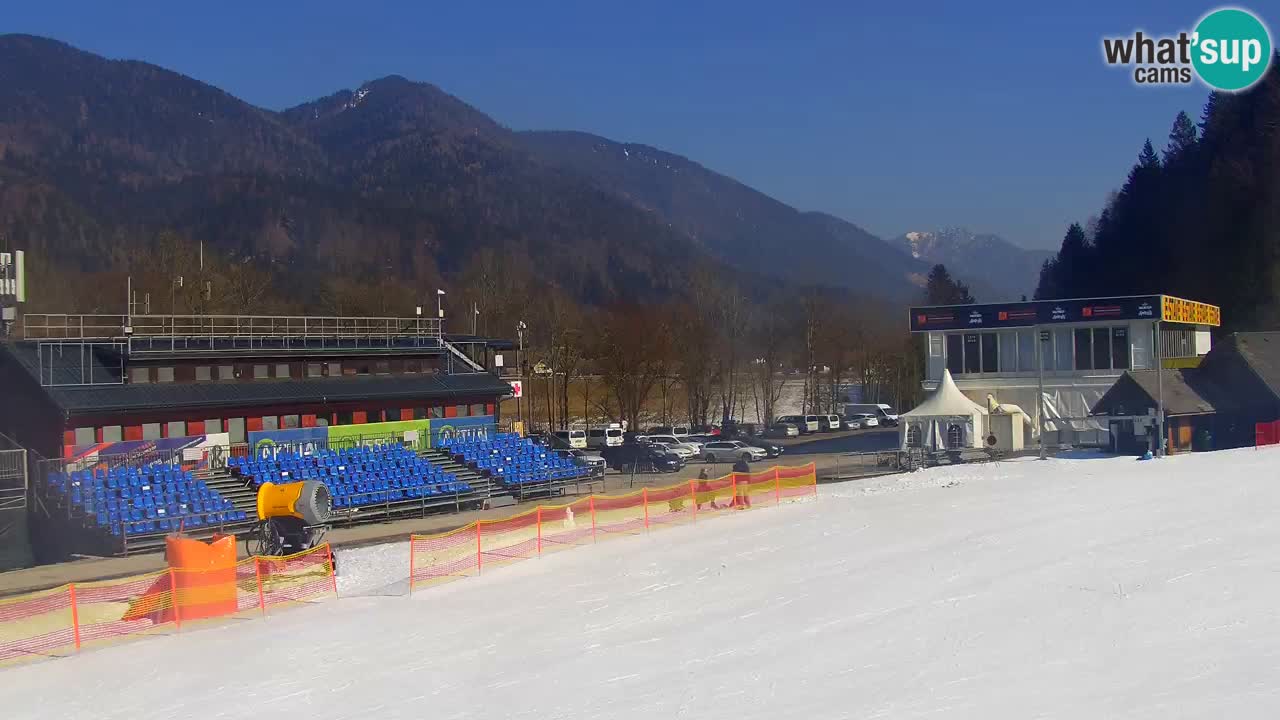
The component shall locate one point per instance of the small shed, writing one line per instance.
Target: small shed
(946, 420)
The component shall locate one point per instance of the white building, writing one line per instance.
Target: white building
(1085, 345)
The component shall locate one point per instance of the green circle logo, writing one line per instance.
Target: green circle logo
(1232, 49)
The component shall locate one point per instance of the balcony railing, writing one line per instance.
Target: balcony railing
(212, 333)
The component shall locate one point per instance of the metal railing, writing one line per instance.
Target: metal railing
(249, 327)
(80, 362)
(13, 480)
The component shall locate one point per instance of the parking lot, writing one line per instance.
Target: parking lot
(831, 452)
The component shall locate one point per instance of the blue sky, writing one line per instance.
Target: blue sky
(1000, 116)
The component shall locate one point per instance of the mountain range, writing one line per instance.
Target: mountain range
(994, 268)
(393, 182)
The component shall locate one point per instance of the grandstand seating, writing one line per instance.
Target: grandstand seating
(358, 476)
(519, 464)
(157, 498)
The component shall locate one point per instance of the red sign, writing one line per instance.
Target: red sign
(517, 388)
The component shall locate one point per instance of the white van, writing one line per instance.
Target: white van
(884, 413)
(803, 423)
(605, 437)
(573, 439)
(679, 432)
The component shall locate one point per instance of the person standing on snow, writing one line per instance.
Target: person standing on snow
(740, 497)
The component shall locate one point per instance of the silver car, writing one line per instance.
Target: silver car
(732, 451)
(686, 450)
(590, 460)
(868, 420)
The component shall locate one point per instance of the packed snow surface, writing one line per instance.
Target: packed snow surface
(1079, 588)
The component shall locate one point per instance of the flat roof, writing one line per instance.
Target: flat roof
(122, 397)
(1166, 308)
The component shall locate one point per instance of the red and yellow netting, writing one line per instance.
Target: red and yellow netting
(61, 621)
(487, 544)
(64, 620)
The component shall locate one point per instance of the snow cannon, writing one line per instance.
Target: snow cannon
(308, 501)
(292, 517)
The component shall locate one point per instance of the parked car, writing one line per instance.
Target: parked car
(731, 451)
(710, 430)
(830, 423)
(604, 437)
(575, 439)
(782, 429)
(772, 450)
(642, 457)
(853, 422)
(679, 431)
(868, 420)
(686, 450)
(884, 414)
(804, 423)
(589, 460)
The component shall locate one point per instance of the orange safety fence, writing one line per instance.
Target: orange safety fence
(64, 620)
(482, 545)
(61, 621)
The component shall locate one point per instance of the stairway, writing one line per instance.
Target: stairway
(482, 486)
(234, 489)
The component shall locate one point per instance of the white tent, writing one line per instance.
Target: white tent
(946, 420)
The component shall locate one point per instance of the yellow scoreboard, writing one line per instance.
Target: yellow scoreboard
(1177, 310)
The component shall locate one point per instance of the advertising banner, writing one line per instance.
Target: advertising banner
(305, 441)
(1026, 314)
(193, 452)
(464, 428)
(1174, 309)
(416, 433)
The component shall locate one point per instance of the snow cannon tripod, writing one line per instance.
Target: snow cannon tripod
(292, 517)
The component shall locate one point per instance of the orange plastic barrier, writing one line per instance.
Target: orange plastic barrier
(483, 545)
(203, 575)
(61, 621)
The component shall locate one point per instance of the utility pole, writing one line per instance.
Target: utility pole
(1159, 390)
(520, 328)
(1042, 339)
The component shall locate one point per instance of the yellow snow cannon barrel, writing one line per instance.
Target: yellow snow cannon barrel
(308, 501)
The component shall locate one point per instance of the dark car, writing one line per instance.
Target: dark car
(641, 457)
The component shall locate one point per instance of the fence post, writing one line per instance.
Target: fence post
(592, 500)
(813, 467)
(75, 615)
(479, 560)
(173, 598)
(644, 498)
(777, 486)
(411, 554)
(539, 512)
(333, 569)
(257, 572)
(693, 499)
(733, 489)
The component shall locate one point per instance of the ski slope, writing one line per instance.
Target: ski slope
(1084, 588)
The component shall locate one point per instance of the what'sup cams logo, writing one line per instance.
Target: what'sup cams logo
(1230, 49)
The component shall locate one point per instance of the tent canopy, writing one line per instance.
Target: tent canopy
(945, 420)
(946, 400)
